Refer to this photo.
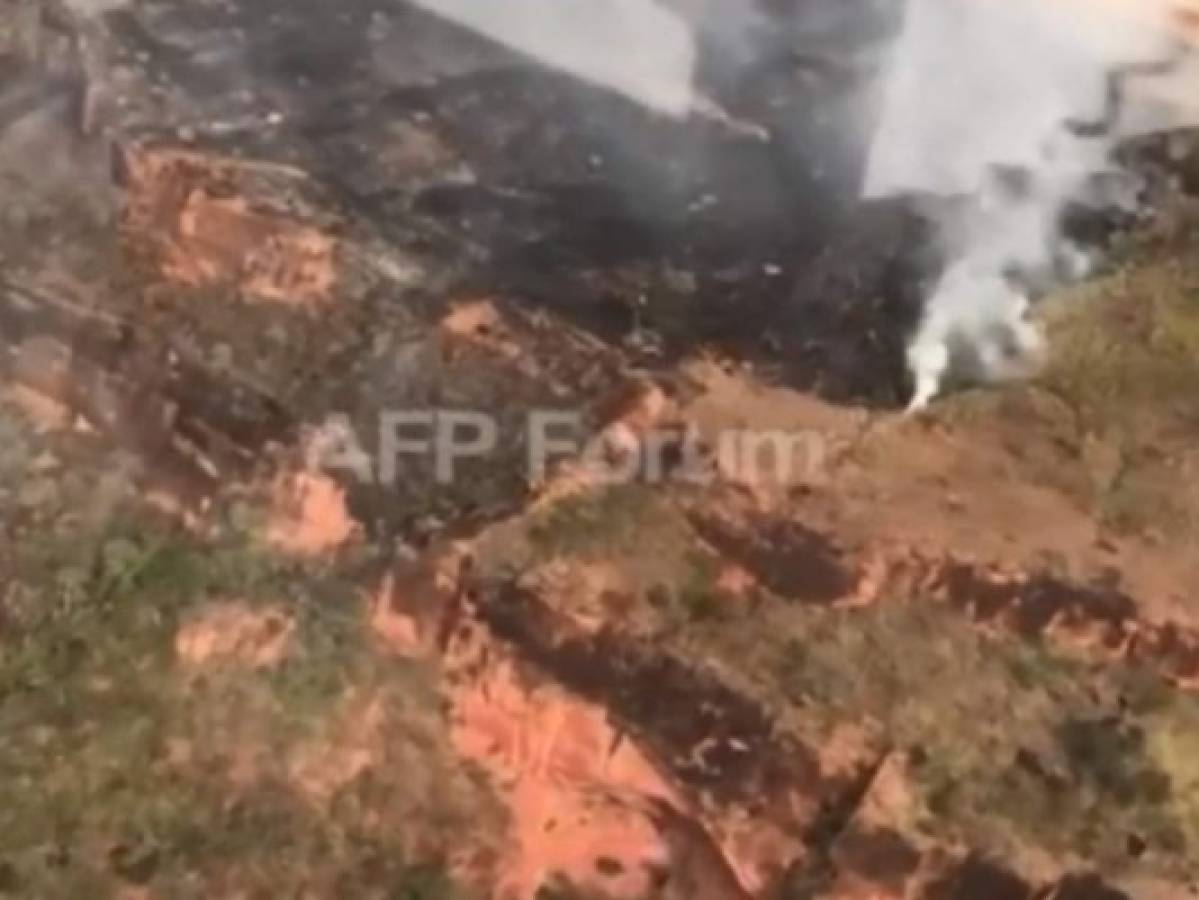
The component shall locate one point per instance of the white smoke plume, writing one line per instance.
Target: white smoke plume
(979, 91)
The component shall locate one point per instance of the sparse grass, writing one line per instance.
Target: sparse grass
(119, 768)
(1112, 422)
(620, 519)
(1126, 348)
(1126, 361)
(699, 595)
(1016, 746)
(1172, 744)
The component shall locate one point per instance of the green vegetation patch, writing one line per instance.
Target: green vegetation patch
(1012, 745)
(122, 766)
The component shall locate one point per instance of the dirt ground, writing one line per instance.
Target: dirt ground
(945, 657)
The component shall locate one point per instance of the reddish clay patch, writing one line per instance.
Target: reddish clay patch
(578, 794)
(628, 415)
(1092, 618)
(480, 322)
(42, 411)
(232, 632)
(186, 206)
(310, 515)
(575, 790)
(590, 802)
(758, 790)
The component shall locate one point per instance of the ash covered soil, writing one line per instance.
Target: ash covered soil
(949, 657)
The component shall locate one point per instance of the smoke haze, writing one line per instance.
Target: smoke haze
(973, 83)
(969, 92)
(980, 90)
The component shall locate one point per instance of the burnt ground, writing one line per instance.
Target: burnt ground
(946, 657)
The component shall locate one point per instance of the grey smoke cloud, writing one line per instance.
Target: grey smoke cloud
(974, 88)
(635, 47)
(972, 83)
(970, 88)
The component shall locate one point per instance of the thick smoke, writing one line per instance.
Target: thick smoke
(1016, 106)
(1008, 106)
